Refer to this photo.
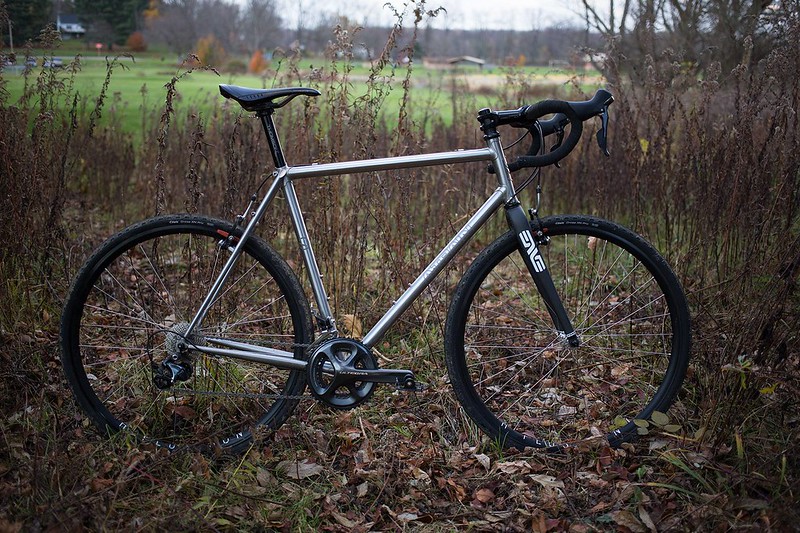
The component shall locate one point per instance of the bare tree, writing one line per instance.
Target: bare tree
(220, 18)
(730, 23)
(260, 25)
(700, 32)
(609, 23)
(181, 23)
(176, 25)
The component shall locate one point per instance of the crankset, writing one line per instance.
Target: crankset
(343, 372)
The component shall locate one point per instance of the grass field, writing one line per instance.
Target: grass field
(136, 88)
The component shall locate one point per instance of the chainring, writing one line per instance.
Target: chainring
(336, 372)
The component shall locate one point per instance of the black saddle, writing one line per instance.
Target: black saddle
(264, 99)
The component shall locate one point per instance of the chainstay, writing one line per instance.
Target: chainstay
(306, 347)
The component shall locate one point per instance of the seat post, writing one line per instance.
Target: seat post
(272, 137)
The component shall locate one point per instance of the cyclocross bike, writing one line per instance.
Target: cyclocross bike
(184, 330)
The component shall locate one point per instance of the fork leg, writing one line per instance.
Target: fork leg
(529, 251)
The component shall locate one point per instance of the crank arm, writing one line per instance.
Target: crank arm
(379, 375)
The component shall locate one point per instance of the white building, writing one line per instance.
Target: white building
(70, 27)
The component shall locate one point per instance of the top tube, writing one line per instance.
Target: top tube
(390, 163)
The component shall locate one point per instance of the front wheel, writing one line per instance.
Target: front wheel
(129, 309)
(517, 378)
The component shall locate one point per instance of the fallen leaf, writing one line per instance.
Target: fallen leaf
(646, 520)
(547, 481)
(350, 433)
(420, 477)
(407, 517)
(352, 325)
(100, 483)
(498, 517)
(236, 511)
(300, 469)
(460, 492)
(750, 504)
(513, 467)
(484, 495)
(343, 520)
(602, 506)
(483, 460)
(565, 410)
(659, 418)
(657, 444)
(184, 411)
(264, 477)
(627, 519)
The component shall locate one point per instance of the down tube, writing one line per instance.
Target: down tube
(445, 256)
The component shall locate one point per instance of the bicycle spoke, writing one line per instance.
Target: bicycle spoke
(525, 379)
(135, 310)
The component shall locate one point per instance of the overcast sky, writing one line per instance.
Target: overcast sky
(464, 14)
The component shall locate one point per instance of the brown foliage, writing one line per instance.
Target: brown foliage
(210, 51)
(258, 64)
(708, 169)
(136, 42)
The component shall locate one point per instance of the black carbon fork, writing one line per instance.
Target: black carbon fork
(529, 250)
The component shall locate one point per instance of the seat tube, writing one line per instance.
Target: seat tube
(529, 251)
(272, 138)
(325, 318)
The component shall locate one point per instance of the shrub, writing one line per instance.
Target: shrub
(210, 51)
(136, 42)
(236, 66)
(257, 63)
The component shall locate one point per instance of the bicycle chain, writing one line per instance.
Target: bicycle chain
(246, 394)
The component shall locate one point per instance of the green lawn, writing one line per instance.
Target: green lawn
(138, 84)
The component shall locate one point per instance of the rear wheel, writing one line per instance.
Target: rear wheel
(516, 377)
(128, 311)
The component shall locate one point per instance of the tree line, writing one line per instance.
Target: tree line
(698, 32)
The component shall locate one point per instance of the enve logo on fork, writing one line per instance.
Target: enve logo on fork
(532, 250)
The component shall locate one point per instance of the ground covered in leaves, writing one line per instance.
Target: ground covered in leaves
(402, 461)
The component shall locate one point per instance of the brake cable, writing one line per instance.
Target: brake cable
(541, 238)
(537, 170)
(527, 132)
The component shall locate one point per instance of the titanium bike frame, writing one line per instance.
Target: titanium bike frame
(283, 179)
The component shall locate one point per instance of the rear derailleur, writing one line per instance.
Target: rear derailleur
(176, 367)
(166, 374)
